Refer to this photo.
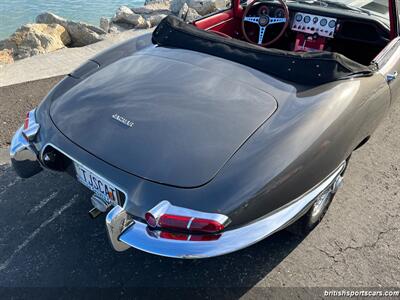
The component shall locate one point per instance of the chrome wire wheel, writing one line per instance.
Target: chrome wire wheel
(317, 210)
(322, 202)
(320, 206)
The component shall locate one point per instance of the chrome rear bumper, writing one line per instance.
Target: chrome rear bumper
(124, 232)
(23, 156)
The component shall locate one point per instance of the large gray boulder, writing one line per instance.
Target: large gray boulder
(125, 15)
(203, 7)
(154, 20)
(158, 4)
(165, 3)
(6, 57)
(188, 14)
(147, 16)
(119, 27)
(105, 24)
(81, 33)
(176, 5)
(152, 14)
(33, 39)
(150, 10)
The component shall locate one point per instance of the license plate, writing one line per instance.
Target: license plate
(101, 187)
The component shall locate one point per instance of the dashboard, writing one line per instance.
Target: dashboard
(314, 24)
(271, 11)
(315, 28)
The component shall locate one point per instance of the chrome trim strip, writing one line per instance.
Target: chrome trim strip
(164, 207)
(384, 56)
(77, 161)
(220, 23)
(140, 238)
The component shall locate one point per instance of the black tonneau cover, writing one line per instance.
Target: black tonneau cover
(309, 68)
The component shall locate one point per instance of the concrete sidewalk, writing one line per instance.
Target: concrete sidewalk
(60, 62)
(4, 156)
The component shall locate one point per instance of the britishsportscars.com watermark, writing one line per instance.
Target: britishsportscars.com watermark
(361, 293)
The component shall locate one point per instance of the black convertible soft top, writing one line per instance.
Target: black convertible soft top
(309, 68)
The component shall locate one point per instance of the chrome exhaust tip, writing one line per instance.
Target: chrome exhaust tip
(94, 213)
(99, 203)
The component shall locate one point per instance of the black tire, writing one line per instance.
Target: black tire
(310, 220)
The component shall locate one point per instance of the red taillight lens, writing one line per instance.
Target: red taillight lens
(188, 237)
(174, 222)
(204, 225)
(150, 219)
(26, 123)
(204, 238)
(174, 236)
(183, 223)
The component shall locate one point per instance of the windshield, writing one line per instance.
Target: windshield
(378, 8)
(375, 7)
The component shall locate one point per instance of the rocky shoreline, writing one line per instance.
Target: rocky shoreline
(51, 32)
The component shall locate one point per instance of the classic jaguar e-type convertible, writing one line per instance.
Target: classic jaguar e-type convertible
(203, 138)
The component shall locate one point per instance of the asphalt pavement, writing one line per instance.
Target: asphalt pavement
(48, 240)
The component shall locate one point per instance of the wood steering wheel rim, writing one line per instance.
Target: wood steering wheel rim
(286, 12)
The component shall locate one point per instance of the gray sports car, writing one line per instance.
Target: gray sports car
(206, 137)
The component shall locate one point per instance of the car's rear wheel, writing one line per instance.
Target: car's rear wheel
(318, 209)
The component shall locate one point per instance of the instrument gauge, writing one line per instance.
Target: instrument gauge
(307, 19)
(332, 24)
(279, 13)
(323, 22)
(299, 17)
(263, 11)
(315, 20)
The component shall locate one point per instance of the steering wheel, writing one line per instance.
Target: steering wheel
(263, 21)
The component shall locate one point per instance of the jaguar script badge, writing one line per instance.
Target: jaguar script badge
(123, 120)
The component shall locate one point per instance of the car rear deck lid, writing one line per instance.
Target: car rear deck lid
(186, 121)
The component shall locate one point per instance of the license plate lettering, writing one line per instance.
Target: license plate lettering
(96, 184)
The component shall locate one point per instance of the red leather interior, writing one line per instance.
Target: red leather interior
(223, 22)
(309, 43)
(227, 21)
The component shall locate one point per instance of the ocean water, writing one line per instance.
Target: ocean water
(14, 13)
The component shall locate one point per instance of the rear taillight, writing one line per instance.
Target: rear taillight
(30, 127)
(174, 222)
(189, 237)
(151, 220)
(167, 216)
(189, 223)
(26, 123)
(205, 225)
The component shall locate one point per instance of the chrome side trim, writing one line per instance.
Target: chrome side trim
(164, 207)
(138, 236)
(218, 24)
(385, 54)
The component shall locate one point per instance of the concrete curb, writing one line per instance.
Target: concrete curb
(4, 156)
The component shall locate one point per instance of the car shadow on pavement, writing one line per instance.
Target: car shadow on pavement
(55, 243)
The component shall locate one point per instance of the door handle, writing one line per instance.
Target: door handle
(391, 76)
